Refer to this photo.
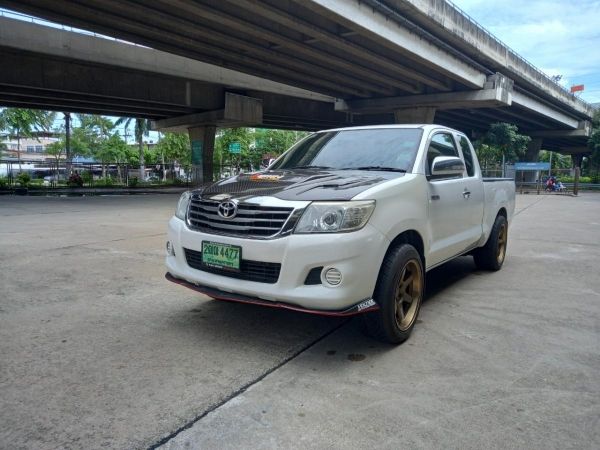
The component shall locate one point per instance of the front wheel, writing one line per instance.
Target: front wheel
(398, 293)
(491, 255)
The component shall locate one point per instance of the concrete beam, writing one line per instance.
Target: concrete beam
(39, 77)
(239, 111)
(356, 15)
(575, 150)
(542, 108)
(36, 38)
(415, 115)
(584, 130)
(320, 34)
(300, 50)
(497, 93)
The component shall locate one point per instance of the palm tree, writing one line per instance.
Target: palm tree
(69, 156)
(96, 130)
(141, 129)
(23, 122)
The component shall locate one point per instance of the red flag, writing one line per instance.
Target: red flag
(577, 88)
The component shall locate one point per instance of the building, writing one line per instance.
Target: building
(32, 149)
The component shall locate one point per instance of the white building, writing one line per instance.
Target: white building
(33, 149)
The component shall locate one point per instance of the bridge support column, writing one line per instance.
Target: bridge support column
(577, 161)
(418, 114)
(533, 150)
(532, 154)
(202, 140)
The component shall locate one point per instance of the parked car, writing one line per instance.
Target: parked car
(346, 222)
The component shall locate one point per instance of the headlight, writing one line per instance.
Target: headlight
(332, 217)
(182, 205)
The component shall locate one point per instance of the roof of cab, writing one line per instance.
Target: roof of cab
(423, 126)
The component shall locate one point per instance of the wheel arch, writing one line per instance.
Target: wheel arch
(412, 237)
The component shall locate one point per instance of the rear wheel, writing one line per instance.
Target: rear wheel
(491, 256)
(399, 293)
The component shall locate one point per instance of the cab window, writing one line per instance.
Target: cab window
(466, 150)
(442, 144)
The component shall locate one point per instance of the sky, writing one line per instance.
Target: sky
(559, 37)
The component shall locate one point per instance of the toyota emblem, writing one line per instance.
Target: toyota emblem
(227, 209)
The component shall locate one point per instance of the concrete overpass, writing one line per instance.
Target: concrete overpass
(299, 63)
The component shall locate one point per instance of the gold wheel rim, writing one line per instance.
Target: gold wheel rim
(502, 237)
(407, 298)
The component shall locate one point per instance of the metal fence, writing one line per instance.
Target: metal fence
(60, 174)
(53, 174)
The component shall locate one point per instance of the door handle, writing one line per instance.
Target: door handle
(466, 194)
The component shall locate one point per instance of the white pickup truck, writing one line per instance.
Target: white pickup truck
(346, 222)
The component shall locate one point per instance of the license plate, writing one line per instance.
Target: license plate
(221, 256)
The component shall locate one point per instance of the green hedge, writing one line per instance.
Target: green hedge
(568, 179)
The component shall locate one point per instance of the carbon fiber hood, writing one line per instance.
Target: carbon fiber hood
(300, 184)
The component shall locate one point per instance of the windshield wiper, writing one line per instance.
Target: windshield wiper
(381, 168)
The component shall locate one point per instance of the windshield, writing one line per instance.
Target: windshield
(392, 149)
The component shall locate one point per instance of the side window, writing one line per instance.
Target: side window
(466, 149)
(442, 144)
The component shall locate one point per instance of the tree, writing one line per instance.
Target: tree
(225, 137)
(558, 161)
(594, 144)
(94, 132)
(23, 122)
(505, 136)
(113, 149)
(254, 144)
(68, 152)
(141, 128)
(174, 147)
(56, 150)
(488, 155)
(275, 142)
(79, 142)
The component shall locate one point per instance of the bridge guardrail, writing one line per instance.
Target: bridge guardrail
(513, 53)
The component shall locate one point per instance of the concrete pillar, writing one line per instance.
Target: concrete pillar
(417, 114)
(577, 160)
(532, 154)
(202, 140)
(533, 150)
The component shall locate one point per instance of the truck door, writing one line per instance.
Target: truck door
(449, 233)
(473, 189)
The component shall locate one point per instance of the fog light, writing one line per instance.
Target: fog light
(170, 249)
(333, 276)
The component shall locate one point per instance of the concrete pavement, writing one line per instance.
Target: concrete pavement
(98, 350)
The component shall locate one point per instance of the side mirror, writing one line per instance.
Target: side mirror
(447, 167)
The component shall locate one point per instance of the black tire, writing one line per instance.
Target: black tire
(390, 324)
(491, 256)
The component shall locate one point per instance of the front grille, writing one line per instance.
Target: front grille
(261, 272)
(250, 220)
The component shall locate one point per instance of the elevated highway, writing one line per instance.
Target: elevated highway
(294, 64)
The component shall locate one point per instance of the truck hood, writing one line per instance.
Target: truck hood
(300, 184)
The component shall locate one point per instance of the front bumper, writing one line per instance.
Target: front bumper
(357, 255)
(360, 308)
